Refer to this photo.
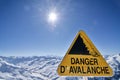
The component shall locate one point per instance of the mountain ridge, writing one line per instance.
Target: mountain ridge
(45, 67)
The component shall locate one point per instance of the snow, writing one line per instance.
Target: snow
(42, 68)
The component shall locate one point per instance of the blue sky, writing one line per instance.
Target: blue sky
(26, 31)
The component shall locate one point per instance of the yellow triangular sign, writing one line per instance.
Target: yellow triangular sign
(83, 59)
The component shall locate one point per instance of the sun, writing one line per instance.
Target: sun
(52, 17)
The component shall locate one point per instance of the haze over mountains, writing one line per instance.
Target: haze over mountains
(44, 68)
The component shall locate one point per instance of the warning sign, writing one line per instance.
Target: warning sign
(83, 59)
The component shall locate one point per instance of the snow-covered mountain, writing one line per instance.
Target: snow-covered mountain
(44, 68)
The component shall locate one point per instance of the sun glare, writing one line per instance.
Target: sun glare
(52, 17)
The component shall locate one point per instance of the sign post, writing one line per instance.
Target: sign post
(83, 59)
